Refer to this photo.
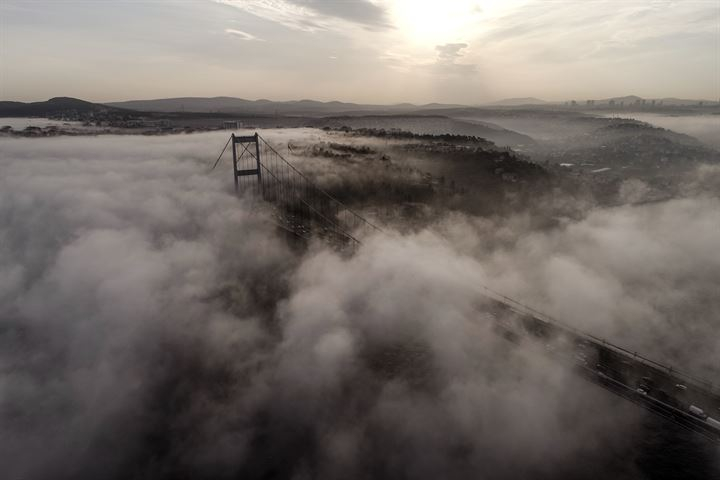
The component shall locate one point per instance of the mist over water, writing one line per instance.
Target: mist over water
(152, 325)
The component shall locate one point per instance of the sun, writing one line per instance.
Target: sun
(434, 22)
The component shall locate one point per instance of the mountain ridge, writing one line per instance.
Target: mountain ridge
(226, 104)
(54, 106)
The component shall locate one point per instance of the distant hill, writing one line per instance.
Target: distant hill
(673, 102)
(628, 99)
(262, 106)
(681, 101)
(515, 102)
(630, 147)
(54, 106)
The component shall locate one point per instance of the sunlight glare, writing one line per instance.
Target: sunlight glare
(432, 22)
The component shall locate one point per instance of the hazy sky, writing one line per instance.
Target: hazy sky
(375, 51)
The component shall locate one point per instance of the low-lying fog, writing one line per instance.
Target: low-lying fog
(20, 123)
(705, 128)
(152, 325)
(551, 128)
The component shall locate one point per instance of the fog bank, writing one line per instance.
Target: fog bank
(153, 325)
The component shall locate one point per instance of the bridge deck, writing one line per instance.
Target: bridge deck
(688, 402)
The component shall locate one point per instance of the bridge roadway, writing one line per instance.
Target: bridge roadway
(680, 398)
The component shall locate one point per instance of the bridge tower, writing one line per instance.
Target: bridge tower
(246, 160)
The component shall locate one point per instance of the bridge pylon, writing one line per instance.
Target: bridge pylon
(246, 159)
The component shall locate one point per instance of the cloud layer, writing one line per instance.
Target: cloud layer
(153, 325)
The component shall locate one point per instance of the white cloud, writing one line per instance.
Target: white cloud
(315, 15)
(289, 15)
(242, 35)
(448, 55)
(582, 31)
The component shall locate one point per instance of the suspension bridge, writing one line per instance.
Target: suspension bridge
(299, 206)
(306, 211)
